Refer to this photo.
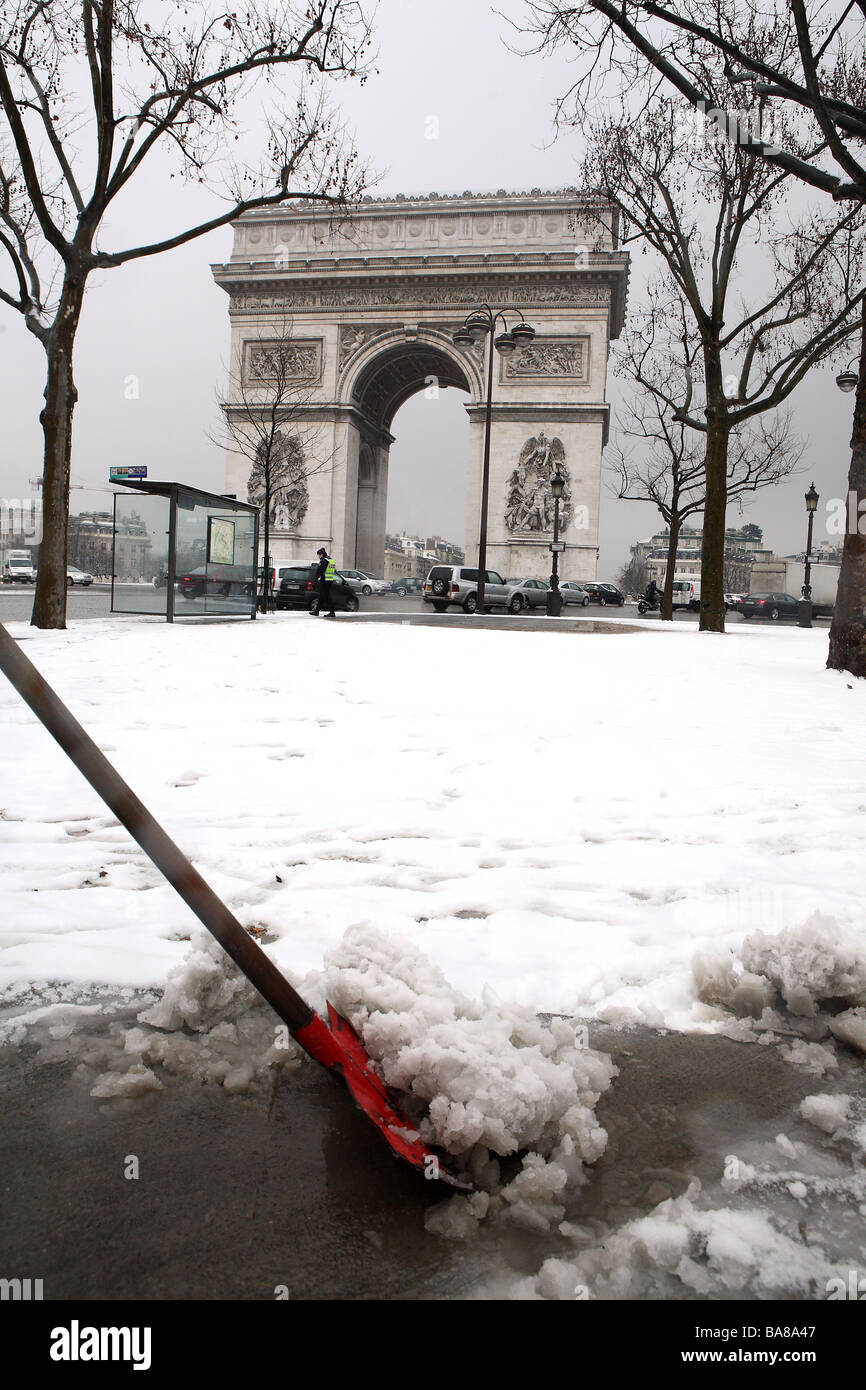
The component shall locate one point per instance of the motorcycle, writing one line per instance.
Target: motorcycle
(647, 606)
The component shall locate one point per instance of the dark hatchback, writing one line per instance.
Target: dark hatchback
(297, 588)
(772, 606)
(604, 594)
(220, 581)
(406, 585)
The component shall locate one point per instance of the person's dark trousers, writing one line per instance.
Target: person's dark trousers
(326, 599)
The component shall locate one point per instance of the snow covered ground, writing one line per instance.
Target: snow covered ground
(568, 819)
(588, 824)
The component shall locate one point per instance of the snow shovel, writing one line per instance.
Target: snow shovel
(335, 1044)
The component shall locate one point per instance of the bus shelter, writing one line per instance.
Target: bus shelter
(180, 552)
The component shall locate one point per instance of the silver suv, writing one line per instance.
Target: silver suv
(457, 585)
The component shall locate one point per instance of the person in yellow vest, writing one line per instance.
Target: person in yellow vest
(325, 575)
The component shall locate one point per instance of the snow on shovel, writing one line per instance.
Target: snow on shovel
(335, 1044)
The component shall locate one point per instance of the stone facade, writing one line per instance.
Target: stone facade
(373, 303)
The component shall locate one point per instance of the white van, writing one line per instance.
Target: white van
(18, 568)
(687, 594)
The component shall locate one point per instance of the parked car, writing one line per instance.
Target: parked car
(604, 594)
(407, 585)
(772, 606)
(220, 581)
(457, 586)
(574, 593)
(297, 588)
(364, 583)
(733, 601)
(526, 593)
(77, 576)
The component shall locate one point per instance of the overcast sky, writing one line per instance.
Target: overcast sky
(164, 322)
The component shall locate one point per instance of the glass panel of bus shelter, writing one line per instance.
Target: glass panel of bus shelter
(140, 553)
(215, 559)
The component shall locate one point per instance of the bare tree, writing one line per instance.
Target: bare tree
(89, 89)
(804, 59)
(738, 572)
(271, 384)
(708, 209)
(632, 577)
(668, 464)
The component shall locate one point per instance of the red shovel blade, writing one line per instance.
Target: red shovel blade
(340, 1049)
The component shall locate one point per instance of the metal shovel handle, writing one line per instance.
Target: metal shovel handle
(250, 958)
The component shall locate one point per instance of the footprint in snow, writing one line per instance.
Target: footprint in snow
(187, 779)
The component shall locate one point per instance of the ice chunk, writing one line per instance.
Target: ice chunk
(810, 963)
(850, 1027)
(807, 965)
(481, 1077)
(493, 1077)
(238, 1079)
(827, 1112)
(135, 1082)
(206, 989)
(458, 1218)
(812, 1057)
(715, 1252)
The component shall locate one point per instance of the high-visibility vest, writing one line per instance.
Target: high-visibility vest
(330, 571)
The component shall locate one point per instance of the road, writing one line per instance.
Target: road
(237, 1197)
(16, 603)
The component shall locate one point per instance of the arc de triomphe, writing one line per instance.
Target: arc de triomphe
(371, 307)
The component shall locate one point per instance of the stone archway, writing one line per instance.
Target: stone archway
(380, 377)
(372, 305)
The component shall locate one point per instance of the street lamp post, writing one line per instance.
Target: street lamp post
(474, 329)
(805, 616)
(554, 597)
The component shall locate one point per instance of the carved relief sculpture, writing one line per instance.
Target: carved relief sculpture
(549, 358)
(420, 296)
(265, 363)
(529, 497)
(290, 497)
(353, 338)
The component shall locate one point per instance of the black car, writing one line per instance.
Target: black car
(772, 606)
(604, 594)
(297, 588)
(220, 581)
(406, 585)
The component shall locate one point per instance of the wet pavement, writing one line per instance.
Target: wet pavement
(16, 603)
(293, 1193)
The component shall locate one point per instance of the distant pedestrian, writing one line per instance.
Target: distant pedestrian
(325, 575)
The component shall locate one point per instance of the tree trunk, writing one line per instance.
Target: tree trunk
(673, 541)
(848, 630)
(266, 569)
(49, 607)
(716, 499)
